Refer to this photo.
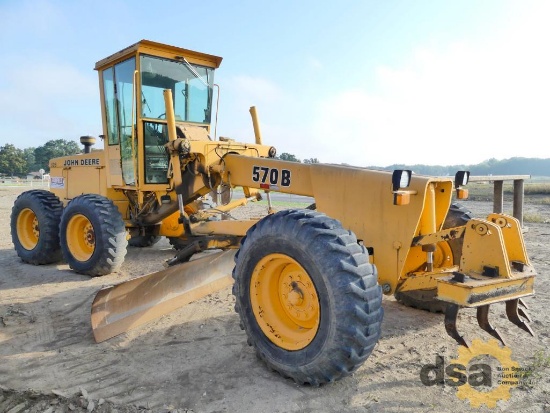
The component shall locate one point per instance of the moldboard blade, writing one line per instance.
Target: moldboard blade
(119, 308)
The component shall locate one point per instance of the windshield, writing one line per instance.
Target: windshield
(191, 87)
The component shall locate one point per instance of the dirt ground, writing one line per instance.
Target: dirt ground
(197, 358)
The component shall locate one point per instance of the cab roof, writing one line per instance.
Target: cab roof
(159, 49)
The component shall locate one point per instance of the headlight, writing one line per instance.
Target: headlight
(401, 178)
(462, 178)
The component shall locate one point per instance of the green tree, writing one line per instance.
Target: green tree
(12, 160)
(54, 149)
(28, 154)
(311, 160)
(288, 157)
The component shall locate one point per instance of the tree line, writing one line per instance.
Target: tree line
(19, 162)
(292, 158)
(511, 166)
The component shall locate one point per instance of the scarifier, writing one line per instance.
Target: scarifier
(308, 283)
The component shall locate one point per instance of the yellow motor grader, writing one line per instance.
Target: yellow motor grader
(308, 282)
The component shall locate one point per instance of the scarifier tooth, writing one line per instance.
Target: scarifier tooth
(523, 303)
(513, 316)
(483, 321)
(451, 315)
(524, 314)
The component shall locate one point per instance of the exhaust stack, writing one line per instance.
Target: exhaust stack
(88, 142)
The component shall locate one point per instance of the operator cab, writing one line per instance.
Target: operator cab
(134, 120)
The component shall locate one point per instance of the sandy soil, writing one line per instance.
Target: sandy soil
(197, 358)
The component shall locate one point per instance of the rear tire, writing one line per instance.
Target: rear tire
(457, 216)
(92, 235)
(307, 296)
(34, 226)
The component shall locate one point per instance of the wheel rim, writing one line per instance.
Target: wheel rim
(285, 302)
(28, 231)
(443, 255)
(80, 237)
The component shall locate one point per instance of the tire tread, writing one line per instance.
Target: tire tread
(110, 232)
(354, 278)
(48, 208)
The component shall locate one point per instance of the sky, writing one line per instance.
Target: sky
(362, 82)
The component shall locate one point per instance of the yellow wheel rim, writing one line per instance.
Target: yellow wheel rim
(28, 231)
(285, 302)
(80, 237)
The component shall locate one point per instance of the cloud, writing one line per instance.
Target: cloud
(238, 94)
(464, 103)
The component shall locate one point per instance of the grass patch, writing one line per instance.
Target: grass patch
(483, 190)
(534, 218)
(537, 189)
(486, 189)
(532, 373)
(538, 193)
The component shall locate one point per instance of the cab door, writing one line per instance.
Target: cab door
(118, 91)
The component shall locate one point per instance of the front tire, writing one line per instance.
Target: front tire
(307, 296)
(92, 235)
(34, 227)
